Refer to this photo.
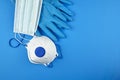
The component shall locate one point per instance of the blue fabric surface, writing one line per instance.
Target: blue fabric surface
(91, 50)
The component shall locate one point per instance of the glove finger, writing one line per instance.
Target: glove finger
(66, 2)
(52, 10)
(55, 30)
(65, 10)
(69, 18)
(60, 23)
(61, 7)
(48, 33)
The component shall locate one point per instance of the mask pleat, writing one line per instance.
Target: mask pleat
(27, 14)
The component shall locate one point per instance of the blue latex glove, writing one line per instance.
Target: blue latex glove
(53, 17)
(60, 5)
(48, 23)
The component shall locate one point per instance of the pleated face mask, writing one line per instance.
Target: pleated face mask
(27, 14)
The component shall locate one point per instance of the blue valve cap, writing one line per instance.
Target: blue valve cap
(39, 51)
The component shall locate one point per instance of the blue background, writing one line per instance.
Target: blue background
(91, 50)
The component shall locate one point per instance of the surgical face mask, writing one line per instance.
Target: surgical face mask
(27, 14)
(41, 50)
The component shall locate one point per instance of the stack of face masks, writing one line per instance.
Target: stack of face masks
(51, 17)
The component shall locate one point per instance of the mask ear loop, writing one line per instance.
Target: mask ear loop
(14, 46)
(20, 41)
(23, 37)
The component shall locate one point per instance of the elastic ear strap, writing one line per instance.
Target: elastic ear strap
(20, 41)
(17, 39)
(23, 37)
(11, 45)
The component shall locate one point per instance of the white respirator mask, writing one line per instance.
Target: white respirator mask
(41, 50)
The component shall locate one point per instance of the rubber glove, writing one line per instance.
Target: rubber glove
(48, 23)
(60, 5)
(54, 17)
